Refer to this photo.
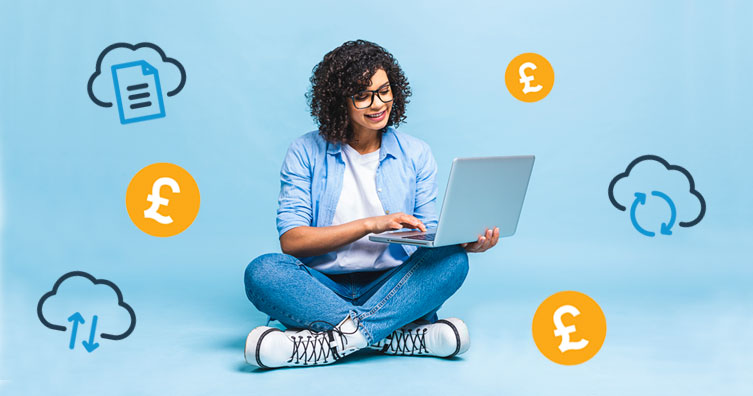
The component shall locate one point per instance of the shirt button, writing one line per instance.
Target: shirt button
(379, 190)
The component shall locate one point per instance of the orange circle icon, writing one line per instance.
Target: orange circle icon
(162, 199)
(529, 77)
(569, 328)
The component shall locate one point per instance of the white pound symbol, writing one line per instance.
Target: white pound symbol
(525, 79)
(564, 331)
(156, 200)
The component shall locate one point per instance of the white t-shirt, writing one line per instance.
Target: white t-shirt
(358, 200)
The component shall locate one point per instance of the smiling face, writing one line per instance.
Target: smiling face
(375, 116)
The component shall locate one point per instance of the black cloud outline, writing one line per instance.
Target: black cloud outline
(668, 166)
(111, 47)
(96, 282)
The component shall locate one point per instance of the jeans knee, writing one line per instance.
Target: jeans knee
(259, 271)
(455, 263)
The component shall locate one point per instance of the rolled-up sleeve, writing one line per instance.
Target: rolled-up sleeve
(294, 203)
(426, 187)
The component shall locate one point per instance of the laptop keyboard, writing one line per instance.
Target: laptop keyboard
(422, 237)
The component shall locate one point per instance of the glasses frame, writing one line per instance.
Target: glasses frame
(371, 102)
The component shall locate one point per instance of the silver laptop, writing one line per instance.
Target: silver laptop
(481, 193)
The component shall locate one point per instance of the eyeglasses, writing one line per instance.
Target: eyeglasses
(364, 99)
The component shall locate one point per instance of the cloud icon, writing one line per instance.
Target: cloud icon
(648, 164)
(172, 75)
(94, 281)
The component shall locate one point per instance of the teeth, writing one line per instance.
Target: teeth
(377, 115)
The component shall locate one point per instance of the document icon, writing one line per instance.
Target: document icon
(138, 91)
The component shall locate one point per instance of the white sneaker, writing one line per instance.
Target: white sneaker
(269, 347)
(444, 338)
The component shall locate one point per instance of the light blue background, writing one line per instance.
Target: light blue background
(632, 77)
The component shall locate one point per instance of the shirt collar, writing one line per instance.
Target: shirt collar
(389, 147)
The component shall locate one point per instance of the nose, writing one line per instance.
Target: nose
(374, 103)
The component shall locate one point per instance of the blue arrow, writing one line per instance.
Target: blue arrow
(639, 198)
(75, 319)
(666, 229)
(91, 345)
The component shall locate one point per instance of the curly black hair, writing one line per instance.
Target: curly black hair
(345, 71)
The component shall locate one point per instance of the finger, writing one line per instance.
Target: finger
(489, 236)
(479, 244)
(394, 225)
(407, 224)
(418, 223)
(413, 222)
(495, 237)
(487, 241)
(484, 245)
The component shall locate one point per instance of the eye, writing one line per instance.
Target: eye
(384, 90)
(361, 96)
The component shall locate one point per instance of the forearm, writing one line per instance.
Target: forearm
(313, 241)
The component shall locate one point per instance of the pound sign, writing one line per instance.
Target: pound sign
(525, 79)
(156, 200)
(564, 331)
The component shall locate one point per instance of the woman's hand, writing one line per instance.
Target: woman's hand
(394, 221)
(484, 243)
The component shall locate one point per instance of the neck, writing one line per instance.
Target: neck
(365, 140)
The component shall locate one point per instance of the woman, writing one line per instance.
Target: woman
(336, 291)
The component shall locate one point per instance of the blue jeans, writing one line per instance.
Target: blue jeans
(379, 302)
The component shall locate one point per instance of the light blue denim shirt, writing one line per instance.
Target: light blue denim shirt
(311, 182)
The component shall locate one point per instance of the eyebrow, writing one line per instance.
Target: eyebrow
(382, 86)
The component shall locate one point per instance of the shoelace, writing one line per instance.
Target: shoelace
(318, 346)
(407, 342)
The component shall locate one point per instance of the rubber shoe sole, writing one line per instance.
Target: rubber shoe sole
(253, 345)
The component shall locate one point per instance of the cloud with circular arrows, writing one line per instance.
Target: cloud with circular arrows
(662, 175)
(79, 278)
(172, 75)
